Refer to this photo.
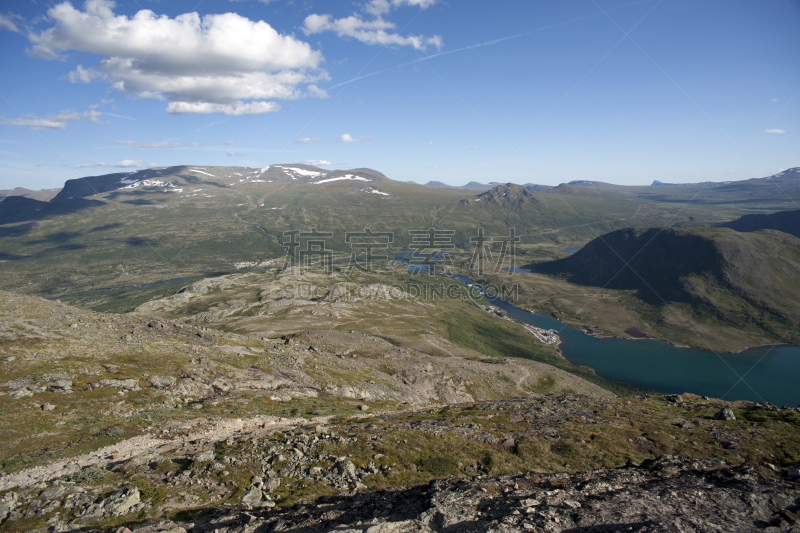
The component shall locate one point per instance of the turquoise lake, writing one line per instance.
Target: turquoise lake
(765, 374)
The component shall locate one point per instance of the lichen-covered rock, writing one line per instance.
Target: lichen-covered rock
(725, 414)
(162, 382)
(120, 502)
(130, 384)
(660, 496)
(204, 456)
(253, 497)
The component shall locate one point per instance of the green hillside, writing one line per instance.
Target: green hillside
(721, 278)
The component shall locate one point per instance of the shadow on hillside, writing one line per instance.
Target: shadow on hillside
(194, 180)
(16, 231)
(59, 236)
(655, 263)
(330, 513)
(21, 209)
(107, 227)
(144, 201)
(141, 241)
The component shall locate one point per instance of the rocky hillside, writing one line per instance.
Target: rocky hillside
(785, 221)
(508, 195)
(546, 464)
(150, 424)
(654, 497)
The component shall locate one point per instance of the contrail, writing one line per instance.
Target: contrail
(478, 45)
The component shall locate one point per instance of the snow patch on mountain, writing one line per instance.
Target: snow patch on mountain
(345, 177)
(201, 172)
(148, 183)
(303, 172)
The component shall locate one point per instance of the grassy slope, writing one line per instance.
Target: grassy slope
(716, 287)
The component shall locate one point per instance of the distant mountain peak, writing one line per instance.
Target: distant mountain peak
(438, 185)
(507, 194)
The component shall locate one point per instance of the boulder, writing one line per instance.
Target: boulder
(254, 497)
(193, 388)
(127, 384)
(725, 414)
(272, 484)
(346, 468)
(120, 502)
(204, 456)
(162, 382)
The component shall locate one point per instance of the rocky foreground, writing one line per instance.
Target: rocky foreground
(668, 494)
(526, 464)
(142, 423)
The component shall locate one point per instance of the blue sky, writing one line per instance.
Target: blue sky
(521, 91)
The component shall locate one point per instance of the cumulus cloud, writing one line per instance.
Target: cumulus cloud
(238, 108)
(125, 163)
(317, 162)
(234, 154)
(380, 7)
(367, 31)
(222, 63)
(7, 24)
(58, 121)
(347, 138)
(82, 75)
(775, 131)
(308, 140)
(165, 144)
(374, 31)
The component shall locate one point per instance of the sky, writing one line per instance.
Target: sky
(520, 91)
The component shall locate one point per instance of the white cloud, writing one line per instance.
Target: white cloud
(222, 63)
(429, 143)
(775, 131)
(82, 75)
(164, 144)
(308, 140)
(380, 7)
(7, 24)
(236, 108)
(316, 92)
(227, 143)
(125, 163)
(367, 31)
(52, 121)
(317, 162)
(347, 138)
(234, 154)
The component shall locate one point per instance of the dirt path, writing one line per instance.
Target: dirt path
(200, 431)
